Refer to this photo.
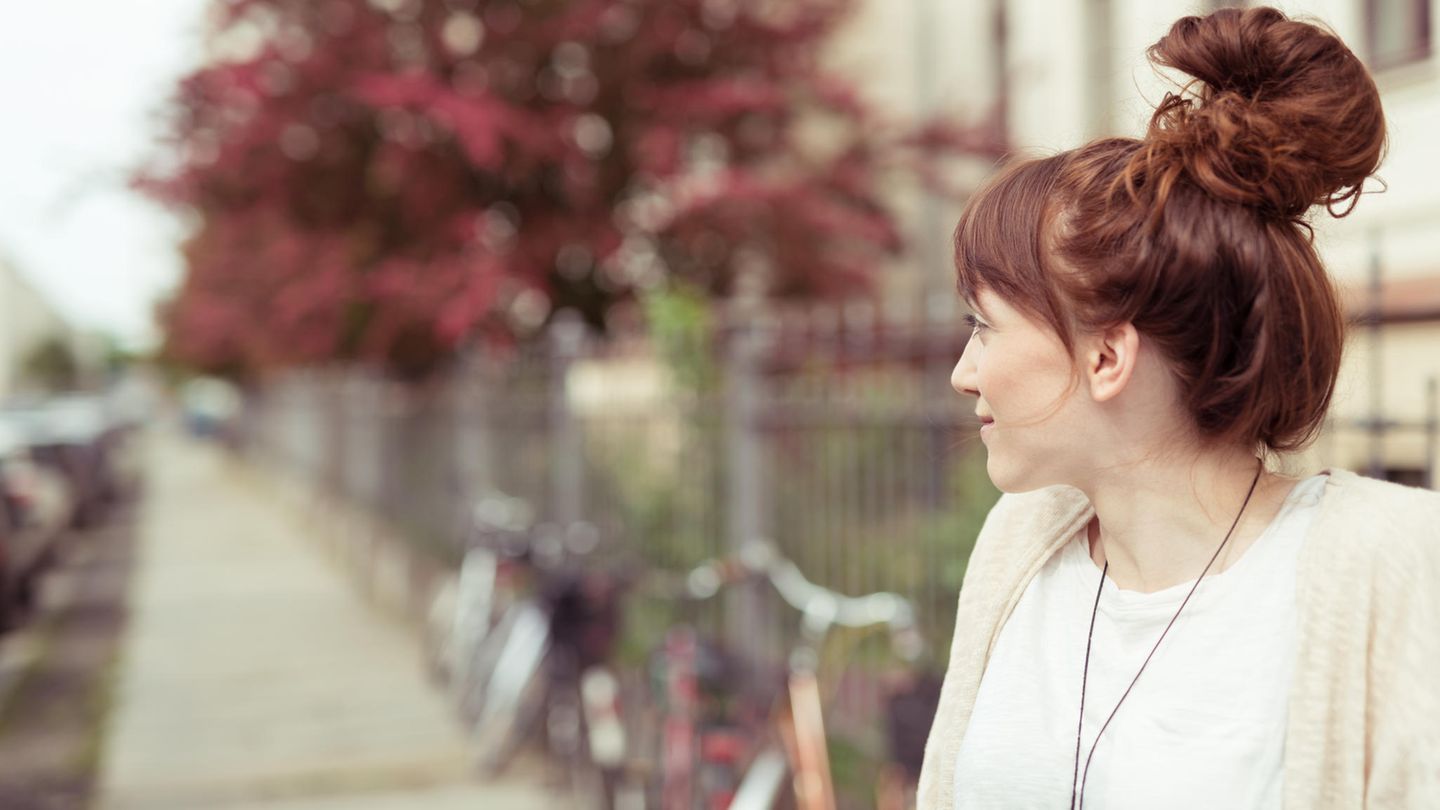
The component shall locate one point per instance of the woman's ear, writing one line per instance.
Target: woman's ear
(1110, 359)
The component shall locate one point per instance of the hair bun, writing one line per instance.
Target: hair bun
(1286, 117)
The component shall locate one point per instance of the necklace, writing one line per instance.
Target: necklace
(1077, 795)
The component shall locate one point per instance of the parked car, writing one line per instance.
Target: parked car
(34, 511)
(64, 462)
(12, 499)
(76, 436)
(11, 520)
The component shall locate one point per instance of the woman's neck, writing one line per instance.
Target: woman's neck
(1158, 524)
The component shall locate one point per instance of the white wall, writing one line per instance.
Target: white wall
(25, 318)
(1048, 62)
(912, 59)
(1057, 49)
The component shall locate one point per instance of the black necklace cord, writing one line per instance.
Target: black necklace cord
(1084, 676)
(1080, 796)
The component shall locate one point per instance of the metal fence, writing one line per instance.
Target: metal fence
(830, 433)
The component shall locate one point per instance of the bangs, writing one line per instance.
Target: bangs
(1000, 240)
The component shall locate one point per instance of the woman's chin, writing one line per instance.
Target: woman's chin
(1007, 479)
(997, 474)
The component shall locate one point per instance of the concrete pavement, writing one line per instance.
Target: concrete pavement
(253, 676)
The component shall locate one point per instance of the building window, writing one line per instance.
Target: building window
(1397, 31)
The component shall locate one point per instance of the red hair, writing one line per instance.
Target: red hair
(1196, 233)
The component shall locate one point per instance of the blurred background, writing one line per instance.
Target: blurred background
(421, 403)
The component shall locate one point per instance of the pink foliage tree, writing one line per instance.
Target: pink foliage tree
(385, 180)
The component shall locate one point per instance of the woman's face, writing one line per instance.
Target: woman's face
(1020, 371)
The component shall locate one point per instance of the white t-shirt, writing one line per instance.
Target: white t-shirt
(1204, 727)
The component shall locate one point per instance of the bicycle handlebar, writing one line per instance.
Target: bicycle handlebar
(822, 608)
(882, 607)
(702, 582)
(507, 524)
(500, 516)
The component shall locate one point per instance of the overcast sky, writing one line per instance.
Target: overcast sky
(81, 84)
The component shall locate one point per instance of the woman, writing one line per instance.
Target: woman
(1152, 617)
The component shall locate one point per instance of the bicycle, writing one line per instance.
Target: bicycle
(678, 755)
(465, 610)
(798, 746)
(699, 752)
(530, 636)
(542, 665)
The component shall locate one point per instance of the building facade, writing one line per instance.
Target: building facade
(26, 319)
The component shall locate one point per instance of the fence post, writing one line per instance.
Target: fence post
(746, 478)
(936, 343)
(567, 473)
(339, 450)
(472, 423)
(1377, 363)
(389, 411)
(1432, 427)
(368, 412)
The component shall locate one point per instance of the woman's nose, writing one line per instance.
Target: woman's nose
(963, 378)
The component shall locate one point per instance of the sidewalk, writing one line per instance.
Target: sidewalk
(254, 677)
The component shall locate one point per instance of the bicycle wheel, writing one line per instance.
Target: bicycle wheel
(514, 691)
(461, 616)
(479, 659)
(763, 780)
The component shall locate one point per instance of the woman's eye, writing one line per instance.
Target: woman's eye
(975, 324)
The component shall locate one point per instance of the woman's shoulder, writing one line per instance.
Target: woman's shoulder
(1369, 596)
(1367, 520)
(1364, 499)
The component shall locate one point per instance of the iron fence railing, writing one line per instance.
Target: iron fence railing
(837, 438)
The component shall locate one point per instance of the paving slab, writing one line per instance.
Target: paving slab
(254, 675)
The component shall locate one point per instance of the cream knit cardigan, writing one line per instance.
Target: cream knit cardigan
(1364, 713)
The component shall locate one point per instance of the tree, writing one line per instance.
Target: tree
(387, 179)
(50, 365)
